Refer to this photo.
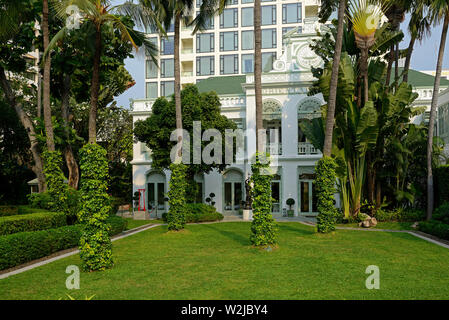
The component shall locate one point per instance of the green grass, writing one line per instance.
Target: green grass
(217, 261)
(384, 225)
(138, 223)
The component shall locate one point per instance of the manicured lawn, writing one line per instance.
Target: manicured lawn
(216, 261)
(137, 223)
(384, 225)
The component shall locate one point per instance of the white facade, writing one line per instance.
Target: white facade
(226, 47)
(443, 119)
(285, 102)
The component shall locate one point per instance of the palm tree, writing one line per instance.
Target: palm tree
(440, 10)
(99, 14)
(365, 16)
(419, 27)
(334, 81)
(46, 81)
(258, 74)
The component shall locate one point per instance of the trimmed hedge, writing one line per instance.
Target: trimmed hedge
(401, 215)
(8, 211)
(32, 222)
(29, 209)
(22, 247)
(436, 228)
(199, 212)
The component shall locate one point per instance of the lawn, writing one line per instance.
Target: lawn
(217, 261)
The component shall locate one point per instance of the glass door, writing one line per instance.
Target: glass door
(156, 197)
(233, 195)
(307, 197)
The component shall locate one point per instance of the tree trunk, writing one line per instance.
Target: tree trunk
(178, 82)
(331, 104)
(396, 66)
(433, 107)
(408, 58)
(389, 67)
(95, 87)
(72, 166)
(258, 75)
(28, 125)
(46, 93)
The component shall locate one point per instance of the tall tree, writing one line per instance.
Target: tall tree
(334, 81)
(440, 11)
(46, 80)
(419, 27)
(100, 14)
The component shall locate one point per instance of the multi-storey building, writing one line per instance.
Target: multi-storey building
(226, 47)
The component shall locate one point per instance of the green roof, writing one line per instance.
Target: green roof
(420, 79)
(223, 85)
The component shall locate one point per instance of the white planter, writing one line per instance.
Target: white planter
(247, 215)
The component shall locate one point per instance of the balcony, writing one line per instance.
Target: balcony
(307, 148)
(273, 149)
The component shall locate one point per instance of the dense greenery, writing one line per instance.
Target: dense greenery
(442, 184)
(22, 247)
(31, 222)
(8, 211)
(95, 245)
(176, 216)
(263, 226)
(199, 212)
(155, 131)
(325, 189)
(56, 188)
(439, 225)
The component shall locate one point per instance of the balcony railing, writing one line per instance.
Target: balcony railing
(187, 51)
(307, 148)
(187, 73)
(274, 149)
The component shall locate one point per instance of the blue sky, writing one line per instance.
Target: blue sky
(424, 58)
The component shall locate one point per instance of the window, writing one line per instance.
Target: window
(167, 45)
(229, 64)
(248, 40)
(291, 13)
(205, 66)
(247, 1)
(287, 29)
(209, 22)
(232, 2)
(151, 70)
(248, 63)
(199, 3)
(167, 88)
(153, 40)
(167, 68)
(268, 38)
(205, 42)
(268, 15)
(267, 61)
(151, 90)
(229, 41)
(229, 18)
(247, 17)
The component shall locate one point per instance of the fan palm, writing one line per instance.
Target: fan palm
(99, 13)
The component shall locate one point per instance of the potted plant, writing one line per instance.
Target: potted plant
(290, 202)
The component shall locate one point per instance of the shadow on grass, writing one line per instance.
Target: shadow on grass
(229, 234)
(299, 230)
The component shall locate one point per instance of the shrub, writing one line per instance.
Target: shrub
(199, 212)
(40, 200)
(56, 188)
(31, 222)
(442, 184)
(177, 197)
(399, 214)
(263, 226)
(442, 213)
(29, 209)
(290, 202)
(23, 247)
(325, 189)
(436, 228)
(8, 211)
(95, 245)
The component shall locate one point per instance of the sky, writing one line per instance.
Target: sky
(424, 58)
